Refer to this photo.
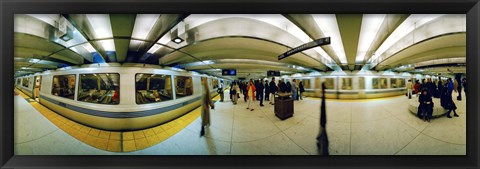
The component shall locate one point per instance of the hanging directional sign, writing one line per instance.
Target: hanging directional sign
(309, 45)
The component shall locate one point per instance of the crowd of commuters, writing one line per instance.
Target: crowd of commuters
(443, 90)
(258, 90)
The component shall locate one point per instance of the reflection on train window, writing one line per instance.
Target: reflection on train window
(375, 83)
(383, 83)
(361, 83)
(151, 88)
(64, 86)
(25, 82)
(183, 86)
(401, 82)
(393, 82)
(347, 84)
(102, 88)
(397, 82)
(329, 83)
(215, 83)
(306, 83)
(318, 83)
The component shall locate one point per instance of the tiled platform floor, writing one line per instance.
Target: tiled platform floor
(362, 127)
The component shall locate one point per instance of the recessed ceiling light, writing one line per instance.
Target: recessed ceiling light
(177, 40)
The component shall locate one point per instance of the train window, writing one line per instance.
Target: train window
(397, 82)
(306, 83)
(152, 88)
(347, 84)
(102, 88)
(329, 84)
(215, 83)
(375, 83)
(64, 86)
(25, 82)
(393, 82)
(383, 83)
(361, 83)
(318, 83)
(183, 86)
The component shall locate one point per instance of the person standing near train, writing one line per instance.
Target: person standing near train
(273, 90)
(267, 91)
(302, 89)
(207, 103)
(409, 89)
(250, 94)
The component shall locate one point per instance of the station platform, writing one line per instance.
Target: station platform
(355, 127)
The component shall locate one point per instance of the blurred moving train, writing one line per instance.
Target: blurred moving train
(357, 84)
(114, 97)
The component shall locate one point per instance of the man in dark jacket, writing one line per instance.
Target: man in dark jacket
(425, 109)
(267, 91)
(260, 88)
(273, 90)
(282, 86)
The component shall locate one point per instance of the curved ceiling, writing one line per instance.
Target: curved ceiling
(249, 43)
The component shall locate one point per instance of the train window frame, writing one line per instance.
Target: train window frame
(160, 101)
(309, 86)
(348, 79)
(333, 83)
(74, 86)
(376, 87)
(361, 83)
(27, 81)
(192, 86)
(79, 83)
(380, 83)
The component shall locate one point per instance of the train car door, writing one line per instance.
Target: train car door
(36, 93)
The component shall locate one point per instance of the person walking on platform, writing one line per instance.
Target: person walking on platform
(302, 89)
(250, 94)
(267, 91)
(288, 88)
(457, 86)
(446, 99)
(282, 86)
(294, 90)
(416, 87)
(259, 93)
(425, 109)
(273, 90)
(439, 88)
(220, 91)
(464, 83)
(235, 92)
(207, 103)
(244, 89)
(409, 89)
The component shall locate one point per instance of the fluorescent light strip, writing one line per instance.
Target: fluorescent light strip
(143, 25)
(370, 26)
(154, 48)
(410, 24)
(47, 18)
(329, 26)
(108, 45)
(101, 25)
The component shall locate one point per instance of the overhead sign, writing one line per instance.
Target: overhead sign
(273, 73)
(229, 72)
(442, 65)
(309, 45)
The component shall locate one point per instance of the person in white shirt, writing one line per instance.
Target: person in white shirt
(409, 89)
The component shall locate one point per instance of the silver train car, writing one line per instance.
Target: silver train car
(115, 97)
(354, 85)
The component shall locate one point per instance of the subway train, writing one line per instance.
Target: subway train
(356, 84)
(118, 97)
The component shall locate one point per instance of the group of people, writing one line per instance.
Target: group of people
(443, 91)
(264, 91)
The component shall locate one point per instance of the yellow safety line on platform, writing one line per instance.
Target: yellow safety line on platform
(118, 141)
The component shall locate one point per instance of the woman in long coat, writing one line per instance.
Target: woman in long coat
(207, 103)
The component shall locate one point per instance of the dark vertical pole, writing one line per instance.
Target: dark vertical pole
(322, 139)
